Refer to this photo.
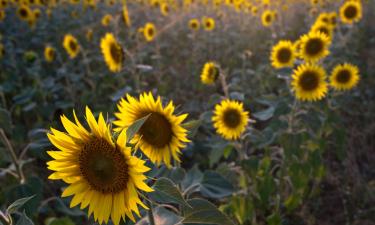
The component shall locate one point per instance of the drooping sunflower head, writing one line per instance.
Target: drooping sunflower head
(49, 53)
(112, 52)
(208, 23)
(162, 136)
(24, 12)
(194, 24)
(344, 77)
(309, 82)
(106, 20)
(101, 172)
(314, 46)
(350, 12)
(283, 54)
(125, 16)
(267, 18)
(230, 119)
(149, 32)
(210, 73)
(71, 45)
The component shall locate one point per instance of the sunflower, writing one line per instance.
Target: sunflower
(112, 52)
(254, 10)
(350, 12)
(283, 54)
(125, 15)
(314, 46)
(194, 24)
(344, 77)
(24, 12)
(208, 23)
(49, 53)
(325, 28)
(230, 119)
(71, 45)
(161, 137)
(309, 82)
(149, 32)
(106, 20)
(267, 18)
(164, 9)
(102, 173)
(210, 73)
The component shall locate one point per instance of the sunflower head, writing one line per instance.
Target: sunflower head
(309, 82)
(149, 32)
(283, 54)
(125, 15)
(314, 46)
(210, 73)
(194, 24)
(325, 28)
(230, 119)
(71, 45)
(106, 20)
(162, 136)
(344, 77)
(350, 12)
(164, 9)
(208, 23)
(2, 14)
(49, 53)
(268, 17)
(101, 173)
(24, 12)
(112, 52)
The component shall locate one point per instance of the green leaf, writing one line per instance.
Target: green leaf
(5, 120)
(214, 185)
(165, 217)
(192, 179)
(274, 219)
(265, 114)
(18, 204)
(59, 221)
(293, 201)
(134, 128)
(204, 212)
(24, 220)
(167, 192)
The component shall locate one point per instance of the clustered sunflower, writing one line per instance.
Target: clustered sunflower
(283, 54)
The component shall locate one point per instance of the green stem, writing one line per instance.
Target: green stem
(150, 214)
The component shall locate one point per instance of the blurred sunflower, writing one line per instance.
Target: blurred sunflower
(309, 82)
(283, 54)
(254, 10)
(24, 12)
(2, 15)
(194, 24)
(164, 9)
(325, 28)
(314, 46)
(36, 13)
(149, 32)
(344, 77)
(350, 12)
(112, 52)
(161, 137)
(208, 23)
(71, 45)
(106, 20)
(230, 119)
(267, 18)
(125, 15)
(49, 53)
(210, 73)
(102, 173)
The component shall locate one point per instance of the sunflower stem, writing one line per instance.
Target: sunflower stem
(4, 219)
(150, 214)
(13, 155)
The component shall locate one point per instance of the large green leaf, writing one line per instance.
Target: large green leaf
(134, 128)
(214, 185)
(59, 221)
(192, 180)
(167, 192)
(204, 212)
(18, 204)
(24, 220)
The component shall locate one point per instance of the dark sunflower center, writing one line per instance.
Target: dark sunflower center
(314, 46)
(51, 53)
(343, 76)
(284, 55)
(194, 25)
(23, 13)
(73, 45)
(350, 12)
(232, 118)
(150, 32)
(116, 53)
(157, 130)
(103, 166)
(324, 30)
(213, 72)
(208, 24)
(309, 81)
(268, 18)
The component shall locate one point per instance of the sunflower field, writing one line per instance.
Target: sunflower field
(206, 112)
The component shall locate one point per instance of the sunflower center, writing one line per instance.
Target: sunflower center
(150, 32)
(284, 55)
(314, 46)
(324, 30)
(213, 72)
(103, 166)
(232, 118)
(116, 52)
(23, 13)
(309, 81)
(350, 12)
(51, 54)
(343, 76)
(72, 45)
(157, 130)
(268, 18)
(208, 24)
